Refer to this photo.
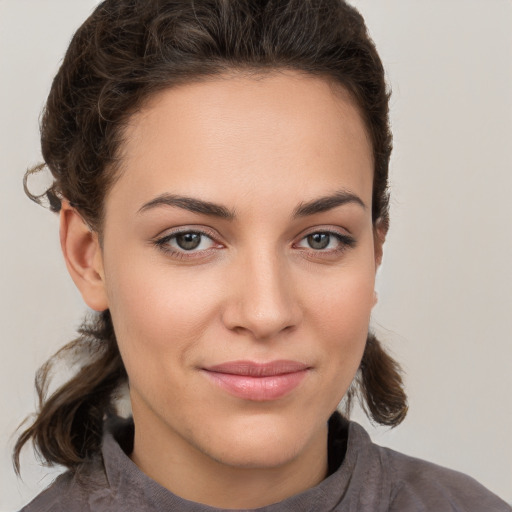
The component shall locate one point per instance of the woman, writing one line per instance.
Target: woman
(221, 176)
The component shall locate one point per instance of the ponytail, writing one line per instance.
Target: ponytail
(378, 386)
(69, 424)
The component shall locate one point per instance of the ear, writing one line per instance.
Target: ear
(82, 253)
(380, 231)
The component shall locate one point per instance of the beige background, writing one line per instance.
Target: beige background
(446, 284)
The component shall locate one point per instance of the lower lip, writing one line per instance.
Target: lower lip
(258, 389)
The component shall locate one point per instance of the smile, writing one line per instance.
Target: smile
(255, 381)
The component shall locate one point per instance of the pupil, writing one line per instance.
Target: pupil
(188, 241)
(319, 240)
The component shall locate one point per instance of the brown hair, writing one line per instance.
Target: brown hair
(125, 52)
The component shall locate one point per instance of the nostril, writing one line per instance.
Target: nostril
(260, 325)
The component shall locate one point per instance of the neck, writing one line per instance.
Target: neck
(193, 475)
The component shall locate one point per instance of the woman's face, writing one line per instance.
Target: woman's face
(238, 261)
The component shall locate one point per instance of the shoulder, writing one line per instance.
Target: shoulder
(423, 486)
(108, 481)
(85, 490)
(386, 480)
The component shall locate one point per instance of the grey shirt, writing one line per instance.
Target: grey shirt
(363, 477)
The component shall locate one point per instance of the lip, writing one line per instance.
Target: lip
(259, 382)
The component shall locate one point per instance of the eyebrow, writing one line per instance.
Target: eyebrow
(327, 203)
(191, 204)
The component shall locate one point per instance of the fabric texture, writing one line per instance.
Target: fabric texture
(363, 477)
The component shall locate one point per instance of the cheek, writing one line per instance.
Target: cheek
(339, 321)
(158, 315)
(343, 304)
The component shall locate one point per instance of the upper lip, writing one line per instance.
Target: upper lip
(254, 369)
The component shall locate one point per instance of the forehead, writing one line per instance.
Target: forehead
(246, 134)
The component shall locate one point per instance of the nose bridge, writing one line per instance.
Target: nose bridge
(265, 303)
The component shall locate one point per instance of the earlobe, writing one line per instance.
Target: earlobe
(82, 253)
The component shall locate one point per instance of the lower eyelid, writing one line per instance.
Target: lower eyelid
(345, 240)
(165, 239)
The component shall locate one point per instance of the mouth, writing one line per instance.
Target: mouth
(259, 382)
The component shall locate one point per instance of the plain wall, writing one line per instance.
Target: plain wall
(445, 288)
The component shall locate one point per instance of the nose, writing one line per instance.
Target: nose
(263, 302)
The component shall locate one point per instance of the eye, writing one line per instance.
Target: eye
(186, 242)
(319, 240)
(327, 241)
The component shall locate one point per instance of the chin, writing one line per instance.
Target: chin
(260, 441)
(263, 454)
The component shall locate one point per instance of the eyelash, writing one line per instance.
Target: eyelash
(345, 242)
(162, 244)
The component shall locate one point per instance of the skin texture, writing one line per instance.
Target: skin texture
(254, 290)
